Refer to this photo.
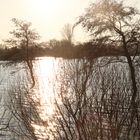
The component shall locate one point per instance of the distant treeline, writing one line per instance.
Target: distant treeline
(62, 49)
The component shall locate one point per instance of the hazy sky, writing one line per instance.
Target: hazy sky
(47, 16)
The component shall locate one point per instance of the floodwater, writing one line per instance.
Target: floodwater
(62, 87)
(15, 77)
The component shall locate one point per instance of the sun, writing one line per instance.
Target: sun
(44, 8)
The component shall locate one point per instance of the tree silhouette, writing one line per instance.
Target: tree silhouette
(112, 23)
(67, 33)
(24, 37)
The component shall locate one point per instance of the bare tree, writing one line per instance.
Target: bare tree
(22, 104)
(24, 37)
(93, 100)
(67, 33)
(112, 23)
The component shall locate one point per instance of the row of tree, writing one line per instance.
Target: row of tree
(24, 44)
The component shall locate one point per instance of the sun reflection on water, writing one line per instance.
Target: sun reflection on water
(46, 69)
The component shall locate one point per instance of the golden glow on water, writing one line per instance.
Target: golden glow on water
(46, 69)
